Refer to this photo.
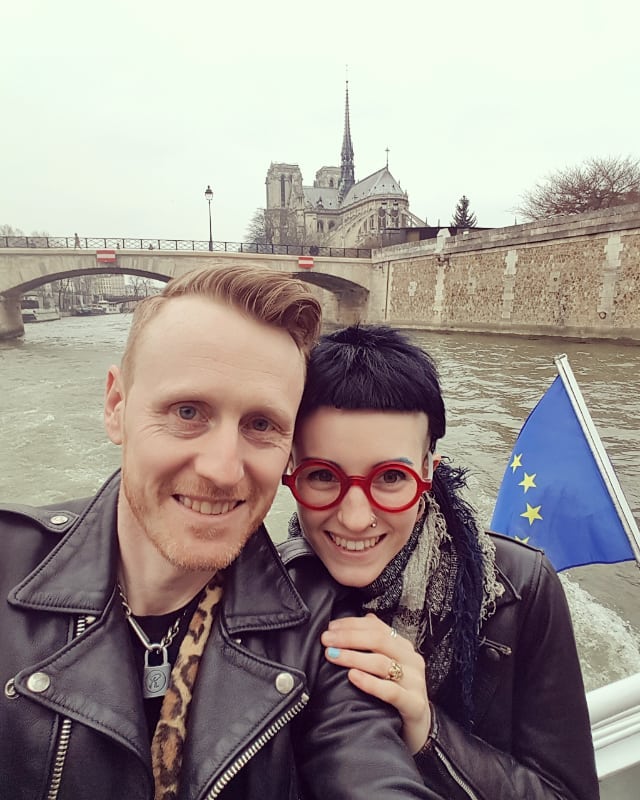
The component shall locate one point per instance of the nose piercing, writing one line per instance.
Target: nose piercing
(374, 521)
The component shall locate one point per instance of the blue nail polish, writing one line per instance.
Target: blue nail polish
(333, 652)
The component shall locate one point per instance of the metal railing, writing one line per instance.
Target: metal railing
(110, 243)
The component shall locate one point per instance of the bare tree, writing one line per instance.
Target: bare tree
(64, 289)
(9, 230)
(141, 286)
(595, 184)
(11, 237)
(257, 228)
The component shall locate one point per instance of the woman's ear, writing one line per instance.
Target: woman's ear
(430, 464)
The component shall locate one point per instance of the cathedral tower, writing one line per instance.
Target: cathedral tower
(347, 177)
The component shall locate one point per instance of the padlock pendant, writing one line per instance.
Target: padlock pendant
(155, 678)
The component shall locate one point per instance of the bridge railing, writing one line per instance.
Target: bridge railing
(110, 243)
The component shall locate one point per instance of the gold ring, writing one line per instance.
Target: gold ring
(395, 672)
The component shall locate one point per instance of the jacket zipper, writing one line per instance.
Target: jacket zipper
(452, 772)
(504, 649)
(246, 756)
(65, 730)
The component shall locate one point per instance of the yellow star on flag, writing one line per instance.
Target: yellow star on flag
(528, 482)
(532, 512)
(524, 540)
(517, 462)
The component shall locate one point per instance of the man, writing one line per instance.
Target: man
(153, 644)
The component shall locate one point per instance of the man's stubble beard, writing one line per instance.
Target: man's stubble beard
(172, 548)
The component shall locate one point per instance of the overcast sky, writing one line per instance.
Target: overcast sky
(114, 116)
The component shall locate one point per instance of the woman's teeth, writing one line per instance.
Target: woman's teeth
(358, 544)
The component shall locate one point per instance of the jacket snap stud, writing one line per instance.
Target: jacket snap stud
(59, 519)
(10, 689)
(38, 682)
(492, 654)
(285, 682)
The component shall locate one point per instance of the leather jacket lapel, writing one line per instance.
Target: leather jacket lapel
(78, 575)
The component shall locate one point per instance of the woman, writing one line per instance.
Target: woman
(466, 633)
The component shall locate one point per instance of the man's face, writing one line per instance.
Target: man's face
(206, 427)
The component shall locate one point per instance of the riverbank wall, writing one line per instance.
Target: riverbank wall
(574, 276)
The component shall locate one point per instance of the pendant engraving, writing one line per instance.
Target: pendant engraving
(155, 680)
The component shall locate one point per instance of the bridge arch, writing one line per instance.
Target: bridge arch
(350, 289)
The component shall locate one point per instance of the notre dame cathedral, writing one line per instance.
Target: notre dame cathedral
(337, 210)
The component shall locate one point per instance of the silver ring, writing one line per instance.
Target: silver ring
(395, 671)
(374, 521)
(393, 633)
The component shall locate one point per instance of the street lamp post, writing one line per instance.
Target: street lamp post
(209, 195)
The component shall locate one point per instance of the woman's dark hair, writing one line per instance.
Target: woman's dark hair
(376, 368)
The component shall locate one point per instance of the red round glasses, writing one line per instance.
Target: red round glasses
(392, 486)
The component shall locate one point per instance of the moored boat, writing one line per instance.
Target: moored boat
(32, 311)
(88, 311)
(107, 307)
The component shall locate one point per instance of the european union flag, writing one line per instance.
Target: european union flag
(553, 494)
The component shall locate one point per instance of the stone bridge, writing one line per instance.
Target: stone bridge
(350, 289)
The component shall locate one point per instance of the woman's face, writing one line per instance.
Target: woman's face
(356, 441)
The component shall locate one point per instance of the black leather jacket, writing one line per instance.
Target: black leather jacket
(531, 738)
(270, 717)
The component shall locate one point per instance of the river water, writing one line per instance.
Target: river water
(53, 445)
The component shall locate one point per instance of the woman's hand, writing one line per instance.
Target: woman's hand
(370, 649)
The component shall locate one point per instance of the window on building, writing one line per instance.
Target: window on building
(332, 225)
(282, 191)
(320, 227)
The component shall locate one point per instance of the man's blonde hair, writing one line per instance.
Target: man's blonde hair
(274, 298)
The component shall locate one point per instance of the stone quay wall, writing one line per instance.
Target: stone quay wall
(574, 276)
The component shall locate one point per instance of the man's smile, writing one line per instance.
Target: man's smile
(208, 507)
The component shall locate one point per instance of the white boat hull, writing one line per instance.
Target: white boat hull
(40, 314)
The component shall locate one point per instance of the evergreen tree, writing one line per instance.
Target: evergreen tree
(462, 218)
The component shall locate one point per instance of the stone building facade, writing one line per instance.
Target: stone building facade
(337, 210)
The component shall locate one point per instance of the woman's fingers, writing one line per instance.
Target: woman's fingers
(383, 665)
(365, 633)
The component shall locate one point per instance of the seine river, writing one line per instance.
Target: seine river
(53, 446)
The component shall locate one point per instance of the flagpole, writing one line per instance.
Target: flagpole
(599, 453)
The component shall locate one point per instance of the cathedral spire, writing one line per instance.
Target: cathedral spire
(347, 178)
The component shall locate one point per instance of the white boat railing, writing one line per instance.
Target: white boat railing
(614, 711)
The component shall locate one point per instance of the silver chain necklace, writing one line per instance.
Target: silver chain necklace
(155, 677)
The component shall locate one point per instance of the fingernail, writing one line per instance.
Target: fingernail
(333, 652)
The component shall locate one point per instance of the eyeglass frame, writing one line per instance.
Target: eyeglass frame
(362, 481)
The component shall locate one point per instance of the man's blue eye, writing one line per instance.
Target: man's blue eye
(187, 413)
(261, 424)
